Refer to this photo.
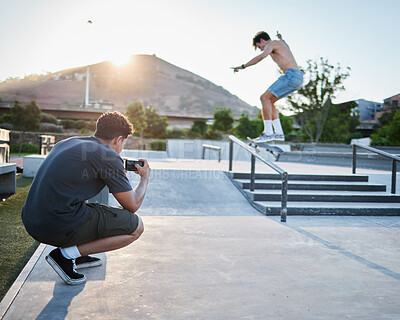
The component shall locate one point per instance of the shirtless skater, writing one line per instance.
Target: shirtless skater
(290, 82)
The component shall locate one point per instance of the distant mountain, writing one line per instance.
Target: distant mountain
(170, 89)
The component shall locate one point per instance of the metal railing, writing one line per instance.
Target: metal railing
(382, 153)
(283, 174)
(209, 146)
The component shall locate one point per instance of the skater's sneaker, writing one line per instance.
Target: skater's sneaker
(279, 137)
(65, 268)
(264, 138)
(87, 262)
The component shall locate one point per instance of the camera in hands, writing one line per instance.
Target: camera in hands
(130, 165)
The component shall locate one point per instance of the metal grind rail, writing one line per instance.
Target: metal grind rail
(382, 153)
(215, 148)
(283, 174)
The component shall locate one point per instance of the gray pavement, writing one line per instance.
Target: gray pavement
(199, 259)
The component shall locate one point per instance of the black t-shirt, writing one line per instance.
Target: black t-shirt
(75, 170)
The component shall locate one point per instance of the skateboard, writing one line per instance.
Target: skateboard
(272, 149)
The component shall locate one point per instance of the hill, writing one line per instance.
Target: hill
(170, 89)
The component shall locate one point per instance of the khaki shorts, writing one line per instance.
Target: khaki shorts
(104, 222)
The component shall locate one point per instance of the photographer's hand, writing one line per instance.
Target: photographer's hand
(143, 172)
(132, 200)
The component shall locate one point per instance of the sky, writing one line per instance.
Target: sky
(207, 37)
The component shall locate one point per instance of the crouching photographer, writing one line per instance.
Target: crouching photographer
(56, 211)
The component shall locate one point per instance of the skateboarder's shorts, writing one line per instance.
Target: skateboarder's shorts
(104, 221)
(290, 82)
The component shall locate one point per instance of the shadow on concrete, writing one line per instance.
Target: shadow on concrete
(63, 294)
(57, 308)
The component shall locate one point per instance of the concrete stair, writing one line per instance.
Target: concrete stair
(318, 195)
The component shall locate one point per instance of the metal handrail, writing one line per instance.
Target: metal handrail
(380, 152)
(209, 146)
(283, 174)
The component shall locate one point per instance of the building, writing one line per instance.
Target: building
(367, 109)
(370, 112)
(392, 101)
(388, 105)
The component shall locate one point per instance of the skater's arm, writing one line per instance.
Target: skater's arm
(267, 51)
(280, 36)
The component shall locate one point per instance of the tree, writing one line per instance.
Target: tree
(312, 102)
(156, 125)
(24, 118)
(198, 129)
(146, 121)
(223, 119)
(394, 130)
(388, 134)
(136, 115)
(287, 123)
(32, 117)
(247, 128)
(253, 128)
(341, 125)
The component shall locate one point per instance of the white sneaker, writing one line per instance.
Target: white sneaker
(279, 137)
(264, 138)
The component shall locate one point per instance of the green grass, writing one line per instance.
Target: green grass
(16, 246)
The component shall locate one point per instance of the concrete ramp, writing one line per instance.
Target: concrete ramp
(191, 193)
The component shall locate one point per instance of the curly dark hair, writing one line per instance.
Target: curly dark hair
(260, 35)
(113, 124)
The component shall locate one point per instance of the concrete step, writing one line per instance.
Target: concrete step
(329, 208)
(322, 196)
(318, 195)
(266, 184)
(302, 177)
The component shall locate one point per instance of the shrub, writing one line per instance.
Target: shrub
(80, 124)
(26, 148)
(354, 135)
(67, 124)
(50, 127)
(73, 124)
(213, 134)
(91, 126)
(48, 118)
(158, 145)
(175, 133)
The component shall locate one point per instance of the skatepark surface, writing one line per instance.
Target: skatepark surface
(206, 253)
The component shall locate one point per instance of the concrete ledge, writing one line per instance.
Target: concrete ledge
(8, 178)
(32, 164)
(144, 154)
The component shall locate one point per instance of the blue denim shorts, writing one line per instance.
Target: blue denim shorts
(290, 82)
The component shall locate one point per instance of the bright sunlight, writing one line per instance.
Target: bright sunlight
(120, 59)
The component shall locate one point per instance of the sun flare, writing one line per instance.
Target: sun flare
(120, 59)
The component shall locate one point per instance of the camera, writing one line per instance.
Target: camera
(130, 164)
